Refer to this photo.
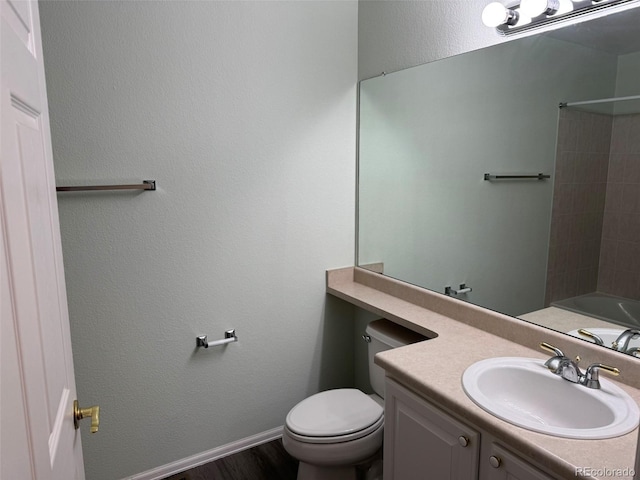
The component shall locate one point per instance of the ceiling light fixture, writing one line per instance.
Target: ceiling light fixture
(533, 14)
(535, 8)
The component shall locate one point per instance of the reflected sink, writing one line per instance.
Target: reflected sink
(522, 391)
(608, 336)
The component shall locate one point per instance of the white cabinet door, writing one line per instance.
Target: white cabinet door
(38, 436)
(421, 442)
(500, 464)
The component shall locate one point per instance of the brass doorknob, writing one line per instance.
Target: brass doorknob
(80, 413)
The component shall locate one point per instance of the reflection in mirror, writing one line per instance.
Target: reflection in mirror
(561, 251)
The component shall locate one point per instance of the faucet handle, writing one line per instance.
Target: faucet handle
(550, 348)
(596, 339)
(554, 362)
(591, 377)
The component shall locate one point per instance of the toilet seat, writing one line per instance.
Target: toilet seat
(340, 438)
(334, 416)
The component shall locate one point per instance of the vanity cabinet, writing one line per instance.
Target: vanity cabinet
(500, 464)
(421, 441)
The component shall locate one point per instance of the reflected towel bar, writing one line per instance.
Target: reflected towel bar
(460, 291)
(145, 185)
(229, 337)
(537, 176)
(601, 100)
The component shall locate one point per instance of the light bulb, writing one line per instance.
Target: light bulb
(566, 6)
(535, 8)
(496, 14)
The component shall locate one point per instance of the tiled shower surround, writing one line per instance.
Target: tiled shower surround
(595, 223)
(619, 272)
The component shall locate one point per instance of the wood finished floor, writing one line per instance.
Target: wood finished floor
(268, 461)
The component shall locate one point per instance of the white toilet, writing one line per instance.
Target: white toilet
(333, 431)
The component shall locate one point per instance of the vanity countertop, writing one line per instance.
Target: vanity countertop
(434, 368)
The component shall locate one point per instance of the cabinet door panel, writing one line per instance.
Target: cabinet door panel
(506, 466)
(422, 442)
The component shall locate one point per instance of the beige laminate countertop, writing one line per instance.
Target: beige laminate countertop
(566, 321)
(433, 369)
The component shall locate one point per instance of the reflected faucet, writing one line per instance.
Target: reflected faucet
(596, 339)
(622, 342)
(634, 352)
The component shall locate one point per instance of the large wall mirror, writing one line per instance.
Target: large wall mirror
(561, 249)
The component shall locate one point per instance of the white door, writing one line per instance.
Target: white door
(38, 439)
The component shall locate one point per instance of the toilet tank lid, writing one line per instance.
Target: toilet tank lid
(333, 413)
(392, 334)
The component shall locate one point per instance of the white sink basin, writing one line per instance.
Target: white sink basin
(608, 336)
(522, 391)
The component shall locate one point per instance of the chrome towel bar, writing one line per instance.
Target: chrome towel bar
(229, 337)
(493, 176)
(145, 185)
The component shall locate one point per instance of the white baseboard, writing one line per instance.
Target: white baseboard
(178, 466)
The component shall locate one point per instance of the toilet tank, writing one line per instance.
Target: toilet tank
(384, 335)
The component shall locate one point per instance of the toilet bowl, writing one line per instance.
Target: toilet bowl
(333, 432)
(345, 430)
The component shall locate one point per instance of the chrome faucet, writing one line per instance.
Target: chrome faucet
(554, 362)
(622, 342)
(568, 369)
(590, 379)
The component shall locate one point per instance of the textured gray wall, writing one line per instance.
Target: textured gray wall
(394, 34)
(244, 113)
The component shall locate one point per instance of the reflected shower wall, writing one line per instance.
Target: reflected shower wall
(619, 272)
(595, 223)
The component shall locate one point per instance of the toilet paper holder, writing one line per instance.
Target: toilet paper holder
(229, 337)
(459, 291)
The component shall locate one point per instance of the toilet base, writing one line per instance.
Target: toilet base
(306, 471)
(370, 469)
(374, 472)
